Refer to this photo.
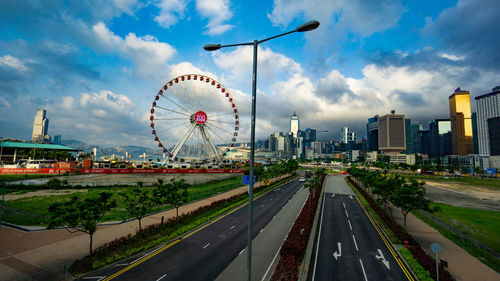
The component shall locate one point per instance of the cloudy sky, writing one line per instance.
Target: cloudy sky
(96, 66)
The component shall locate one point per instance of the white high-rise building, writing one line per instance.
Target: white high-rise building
(40, 126)
(294, 125)
(488, 106)
(347, 135)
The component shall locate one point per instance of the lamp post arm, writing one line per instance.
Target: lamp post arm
(283, 34)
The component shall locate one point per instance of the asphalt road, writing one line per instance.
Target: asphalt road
(348, 246)
(204, 254)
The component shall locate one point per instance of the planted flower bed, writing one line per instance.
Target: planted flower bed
(293, 249)
(423, 258)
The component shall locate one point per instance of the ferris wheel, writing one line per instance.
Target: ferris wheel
(194, 117)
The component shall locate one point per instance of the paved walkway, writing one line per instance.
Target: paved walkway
(462, 265)
(24, 253)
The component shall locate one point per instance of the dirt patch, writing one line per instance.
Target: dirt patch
(463, 196)
(48, 192)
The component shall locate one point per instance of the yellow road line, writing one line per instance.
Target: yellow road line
(386, 242)
(145, 258)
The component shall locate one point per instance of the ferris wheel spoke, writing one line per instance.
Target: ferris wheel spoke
(173, 127)
(168, 119)
(178, 105)
(174, 111)
(227, 113)
(209, 143)
(179, 145)
(220, 121)
(223, 141)
(220, 128)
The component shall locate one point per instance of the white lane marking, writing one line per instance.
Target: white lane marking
(363, 268)
(350, 226)
(319, 239)
(344, 205)
(233, 226)
(270, 265)
(241, 252)
(355, 244)
(333, 195)
(208, 244)
(95, 277)
(350, 196)
(121, 264)
(335, 254)
(382, 259)
(261, 230)
(161, 277)
(274, 217)
(346, 214)
(262, 206)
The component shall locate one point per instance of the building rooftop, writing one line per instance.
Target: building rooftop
(29, 145)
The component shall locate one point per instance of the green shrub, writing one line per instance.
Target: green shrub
(422, 274)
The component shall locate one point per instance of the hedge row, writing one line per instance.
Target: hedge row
(422, 257)
(293, 249)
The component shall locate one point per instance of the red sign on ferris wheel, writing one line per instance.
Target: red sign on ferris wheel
(200, 117)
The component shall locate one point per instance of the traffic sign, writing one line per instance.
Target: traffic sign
(246, 179)
(266, 182)
(436, 247)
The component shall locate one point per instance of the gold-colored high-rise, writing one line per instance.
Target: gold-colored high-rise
(461, 123)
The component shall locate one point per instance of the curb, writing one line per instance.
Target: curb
(304, 270)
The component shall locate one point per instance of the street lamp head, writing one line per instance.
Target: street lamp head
(211, 47)
(308, 26)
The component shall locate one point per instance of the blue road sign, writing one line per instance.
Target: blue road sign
(246, 179)
(436, 247)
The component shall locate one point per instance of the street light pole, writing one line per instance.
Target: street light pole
(310, 25)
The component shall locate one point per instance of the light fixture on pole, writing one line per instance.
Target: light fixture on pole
(308, 26)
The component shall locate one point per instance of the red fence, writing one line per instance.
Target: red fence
(117, 171)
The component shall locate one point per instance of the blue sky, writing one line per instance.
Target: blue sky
(96, 66)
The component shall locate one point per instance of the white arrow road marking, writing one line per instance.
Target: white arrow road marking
(382, 259)
(335, 254)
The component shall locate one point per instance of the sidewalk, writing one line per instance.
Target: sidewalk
(462, 265)
(24, 253)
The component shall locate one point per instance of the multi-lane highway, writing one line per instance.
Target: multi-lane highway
(349, 245)
(203, 254)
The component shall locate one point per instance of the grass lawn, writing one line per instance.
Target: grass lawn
(34, 210)
(481, 225)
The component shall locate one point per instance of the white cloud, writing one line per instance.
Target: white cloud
(14, 63)
(148, 54)
(217, 12)
(170, 12)
(362, 16)
(126, 5)
(187, 68)
(452, 57)
(271, 66)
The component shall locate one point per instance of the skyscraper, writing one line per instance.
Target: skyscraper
(440, 138)
(294, 124)
(347, 135)
(461, 124)
(372, 133)
(391, 133)
(40, 126)
(488, 106)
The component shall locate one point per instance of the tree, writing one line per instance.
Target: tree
(411, 196)
(138, 203)
(82, 215)
(173, 193)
